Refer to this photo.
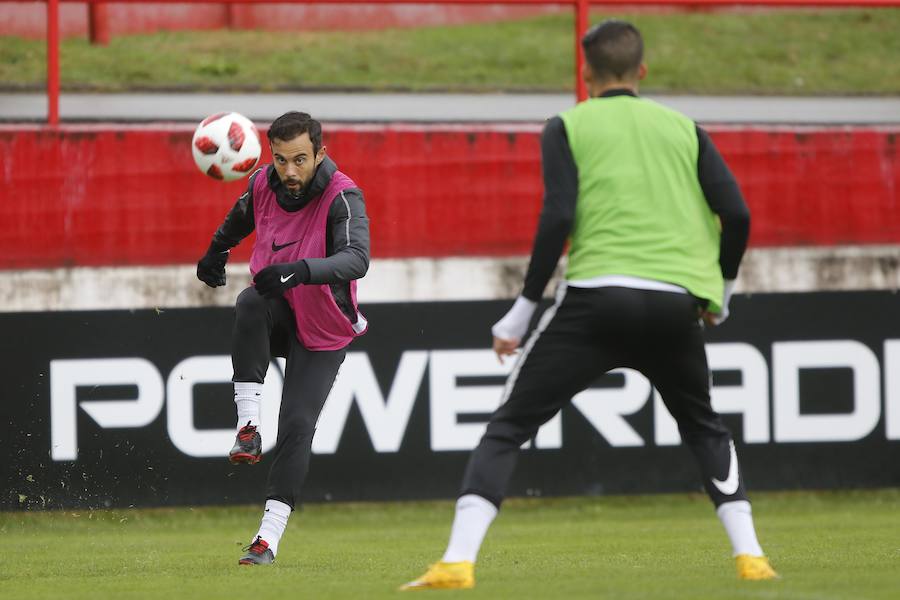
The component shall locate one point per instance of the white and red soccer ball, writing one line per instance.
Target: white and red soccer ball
(226, 146)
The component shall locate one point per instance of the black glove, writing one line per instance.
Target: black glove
(211, 268)
(275, 280)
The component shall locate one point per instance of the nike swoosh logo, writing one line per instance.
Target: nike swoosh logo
(277, 247)
(730, 485)
(284, 280)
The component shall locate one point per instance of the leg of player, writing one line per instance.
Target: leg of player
(264, 547)
(678, 369)
(258, 325)
(308, 379)
(558, 361)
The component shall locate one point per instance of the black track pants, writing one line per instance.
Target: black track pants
(264, 329)
(585, 334)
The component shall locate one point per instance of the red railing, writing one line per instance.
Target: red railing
(581, 8)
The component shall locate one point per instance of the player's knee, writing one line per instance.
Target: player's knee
(508, 432)
(702, 432)
(301, 429)
(249, 307)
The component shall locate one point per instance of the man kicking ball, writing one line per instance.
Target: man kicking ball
(312, 244)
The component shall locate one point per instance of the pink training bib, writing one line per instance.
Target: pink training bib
(282, 237)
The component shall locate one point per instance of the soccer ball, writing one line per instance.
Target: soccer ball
(226, 146)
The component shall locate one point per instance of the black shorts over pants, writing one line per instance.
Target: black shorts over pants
(588, 332)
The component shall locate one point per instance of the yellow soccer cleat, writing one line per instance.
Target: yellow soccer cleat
(444, 576)
(754, 568)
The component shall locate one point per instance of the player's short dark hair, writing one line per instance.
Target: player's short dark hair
(291, 124)
(614, 50)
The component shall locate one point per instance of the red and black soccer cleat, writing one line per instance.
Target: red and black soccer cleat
(247, 446)
(258, 553)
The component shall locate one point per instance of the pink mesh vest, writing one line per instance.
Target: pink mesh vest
(296, 235)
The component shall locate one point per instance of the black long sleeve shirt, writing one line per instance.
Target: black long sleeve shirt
(560, 175)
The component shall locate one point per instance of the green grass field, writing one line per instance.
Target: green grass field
(827, 546)
(757, 52)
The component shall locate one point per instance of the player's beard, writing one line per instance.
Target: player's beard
(299, 191)
(302, 190)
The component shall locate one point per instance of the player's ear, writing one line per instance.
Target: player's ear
(320, 156)
(587, 74)
(642, 71)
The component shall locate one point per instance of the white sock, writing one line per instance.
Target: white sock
(247, 396)
(737, 517)
(474, 515)
(273, 523)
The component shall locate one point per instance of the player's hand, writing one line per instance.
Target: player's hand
(504, 347)
(510, 330)
(211, 268)
(275, 280)
(711, 319)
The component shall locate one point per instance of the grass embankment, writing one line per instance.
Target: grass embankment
(825, 545)
(764, 52)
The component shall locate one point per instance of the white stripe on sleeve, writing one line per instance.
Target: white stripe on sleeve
(347, 204)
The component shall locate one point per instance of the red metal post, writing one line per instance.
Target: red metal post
(582, 16)
(98, 24)
(53, 62)
(231, 16)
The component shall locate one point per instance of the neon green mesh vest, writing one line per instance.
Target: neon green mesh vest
(640, 209)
